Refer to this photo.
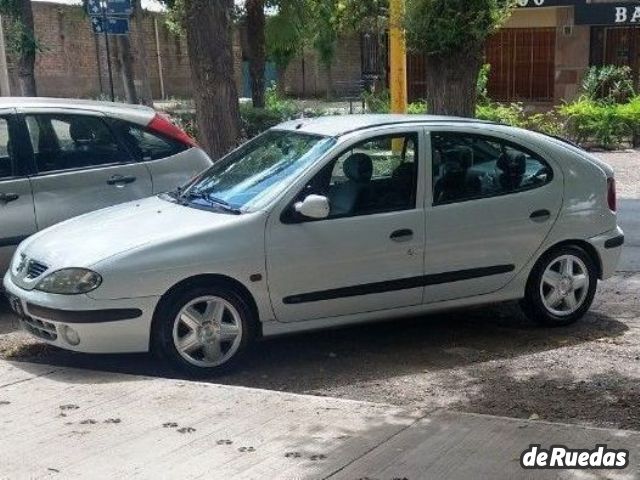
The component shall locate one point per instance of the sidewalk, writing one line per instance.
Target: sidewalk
(58, 422)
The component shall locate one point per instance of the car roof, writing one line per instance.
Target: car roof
(337, 125)
(134, 113)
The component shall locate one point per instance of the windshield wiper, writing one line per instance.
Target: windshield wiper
(213, 201)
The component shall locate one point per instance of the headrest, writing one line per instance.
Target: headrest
(81, 131)
(462, 157)
(512, 164)
(358, 167)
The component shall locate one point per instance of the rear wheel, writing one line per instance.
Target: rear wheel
(561, 287)
(204, 331)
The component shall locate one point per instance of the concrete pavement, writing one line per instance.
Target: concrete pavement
(66, 423)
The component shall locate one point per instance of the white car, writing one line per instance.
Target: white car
(323, 223)
(63, 157)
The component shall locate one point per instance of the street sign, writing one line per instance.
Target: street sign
(113, 8)
(608, 14)
(543, 3)
(119, 8)
(110, 26)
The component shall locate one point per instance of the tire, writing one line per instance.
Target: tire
(190, 333)
(561, 287)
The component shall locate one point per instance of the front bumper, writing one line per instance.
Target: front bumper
(609, 247)
(103, 326)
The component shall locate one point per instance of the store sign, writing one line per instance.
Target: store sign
(543, 3)
(608, 14)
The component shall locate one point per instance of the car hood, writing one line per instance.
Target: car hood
(91, 238)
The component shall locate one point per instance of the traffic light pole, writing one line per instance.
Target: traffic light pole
(397, 57)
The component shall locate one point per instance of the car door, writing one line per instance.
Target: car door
(80, 165)
(368, 254)
(493, 203)
(17, 219)
(172, 161)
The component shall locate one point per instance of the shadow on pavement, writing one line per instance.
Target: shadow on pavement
(328, 359)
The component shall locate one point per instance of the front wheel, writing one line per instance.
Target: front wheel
(561, 287)
(204, 331)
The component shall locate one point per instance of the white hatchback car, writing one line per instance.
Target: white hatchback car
(63, 157)
(323, 223)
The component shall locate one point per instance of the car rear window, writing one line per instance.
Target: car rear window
(145, 145)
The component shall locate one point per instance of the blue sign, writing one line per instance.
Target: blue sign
(119, 8)
(112, 26)
(113, 8)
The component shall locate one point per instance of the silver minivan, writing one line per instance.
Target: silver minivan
(63, 157)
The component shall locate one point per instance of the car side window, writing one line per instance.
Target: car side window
(467, 166)
(376, 175)
(145, 145)
(8, 166)
(66, 142)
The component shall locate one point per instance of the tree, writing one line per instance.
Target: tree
(286, 35)
(142, 60)
(22, 41)
(452, 34)
(125, 68)
(326, 28)
(255, 23)
(208, 26)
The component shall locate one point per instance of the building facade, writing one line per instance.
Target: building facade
(541, 54)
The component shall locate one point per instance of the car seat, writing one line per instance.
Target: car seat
(512, 168)
(345, 197)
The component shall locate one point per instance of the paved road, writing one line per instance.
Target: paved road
(67, 423)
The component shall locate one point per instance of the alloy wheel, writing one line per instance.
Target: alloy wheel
(564, 285)
(207, 331)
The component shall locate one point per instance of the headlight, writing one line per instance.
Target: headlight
(70, 281)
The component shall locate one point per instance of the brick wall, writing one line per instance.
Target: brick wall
(73, 60)
(346, 68)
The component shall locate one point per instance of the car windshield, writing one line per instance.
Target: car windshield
(251, 176)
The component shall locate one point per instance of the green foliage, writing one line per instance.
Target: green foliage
(20, 39)
(604, 124)
(610, 84)
(508, 114)
(481, 86)
(377, 101)
(418, 108)
(280, 106)
(442, 27)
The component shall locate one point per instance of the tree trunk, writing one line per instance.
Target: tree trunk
(451, 83)
(27, 56)
(257, 55)
(329, 69)
(142, 62)
(125, 62)
(209, 42)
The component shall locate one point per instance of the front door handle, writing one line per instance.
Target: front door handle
(121, 180)
(8, 197)
(540, 215)
(401, 235)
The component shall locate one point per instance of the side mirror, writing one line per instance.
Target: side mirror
(314, 206)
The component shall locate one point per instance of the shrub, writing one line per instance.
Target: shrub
(377, 102)
(481, 86)
(606, 125)
(508, 114)
(610, 84)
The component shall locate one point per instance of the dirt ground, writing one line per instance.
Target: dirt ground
(486, 360)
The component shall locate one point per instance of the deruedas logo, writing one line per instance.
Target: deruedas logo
(561, 457)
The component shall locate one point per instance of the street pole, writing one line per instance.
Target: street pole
(5, 84)
(103, 5)
(397, 57)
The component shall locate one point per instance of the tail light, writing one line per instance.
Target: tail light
(611, 194)
(162, 125)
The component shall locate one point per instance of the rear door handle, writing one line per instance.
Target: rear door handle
(540, 215)
(120, 180)
(8, 197)
(401, 235)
